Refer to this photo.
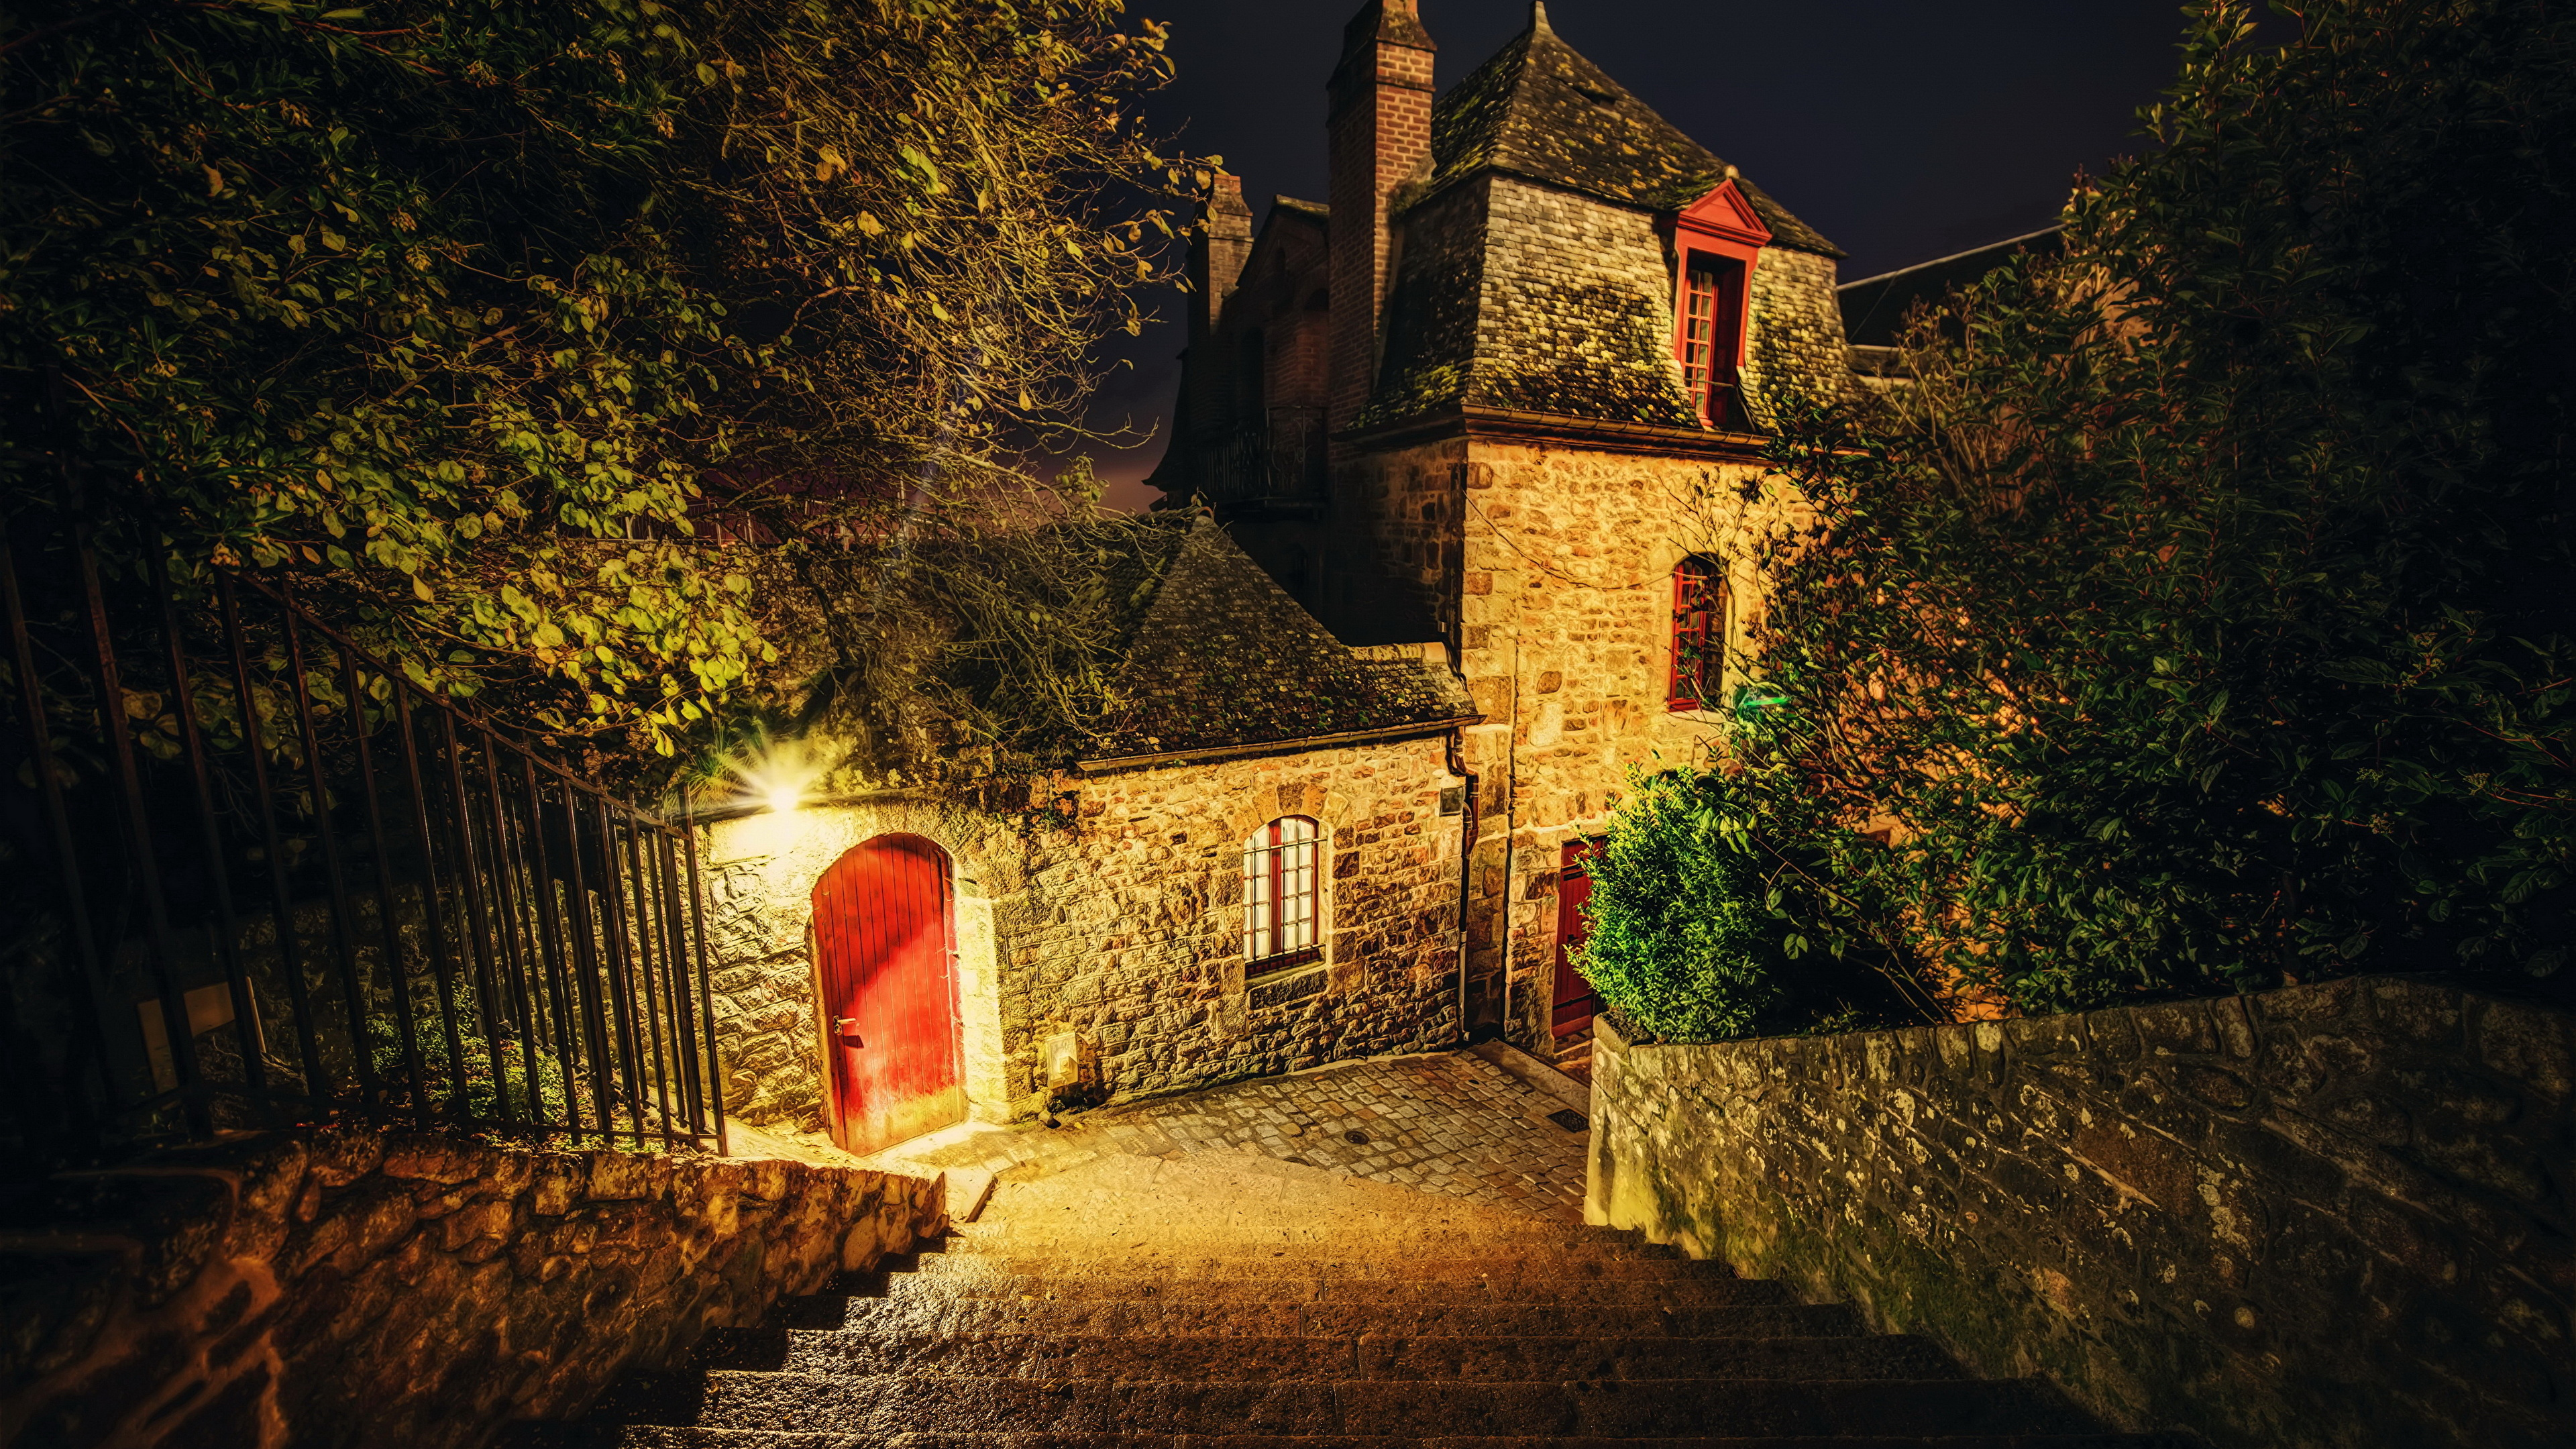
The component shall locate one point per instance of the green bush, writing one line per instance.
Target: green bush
(1693, 916)
(1680, 943)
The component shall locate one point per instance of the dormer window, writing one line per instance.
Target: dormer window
(1712, 338)
(1717, 241)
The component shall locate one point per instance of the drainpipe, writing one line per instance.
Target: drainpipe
(1511, 832)
(1466, 861)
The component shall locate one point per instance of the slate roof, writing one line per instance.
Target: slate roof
(1223, 657)
(1538, 109)
(1476, 317)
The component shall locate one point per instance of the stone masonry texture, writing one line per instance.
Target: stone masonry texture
(2332, 1215)
(1560, 560)
(338, 1287)
(1118, 920)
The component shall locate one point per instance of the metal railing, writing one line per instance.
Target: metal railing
(259, 876)
(1282, 460)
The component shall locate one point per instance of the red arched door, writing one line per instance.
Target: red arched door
(1575, 1001)
(885, 966)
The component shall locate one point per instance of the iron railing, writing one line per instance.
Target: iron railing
(259, 876)
(1282, 460)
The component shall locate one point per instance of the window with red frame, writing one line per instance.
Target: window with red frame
(1699, 634)
(1282, 895)
(1711, 329)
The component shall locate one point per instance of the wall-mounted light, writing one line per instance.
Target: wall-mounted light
(778, 777)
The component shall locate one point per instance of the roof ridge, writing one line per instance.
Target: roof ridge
(1539, 108)
(1952, 257)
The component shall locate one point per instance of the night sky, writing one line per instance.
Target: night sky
(1902, 129)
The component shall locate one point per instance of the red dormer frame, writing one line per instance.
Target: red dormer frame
(1717, 241)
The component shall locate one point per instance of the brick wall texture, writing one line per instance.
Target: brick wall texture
(329, 1288)
(2333, 1216)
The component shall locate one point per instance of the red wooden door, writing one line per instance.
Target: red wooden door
(885, 968)
(1575, 1000)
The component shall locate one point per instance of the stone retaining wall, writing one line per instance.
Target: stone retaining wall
(2333, 1215)
(325, 1288)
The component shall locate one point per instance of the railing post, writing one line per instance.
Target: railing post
(87, 973)
(290, 954)
(146, 863)
(183, 701)
(344, 937)
(706, 989)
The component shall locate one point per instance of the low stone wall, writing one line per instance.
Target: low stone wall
(301, 1290)
(2333, 1215)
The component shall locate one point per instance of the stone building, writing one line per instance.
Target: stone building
(1256, 871)
(1507, 391)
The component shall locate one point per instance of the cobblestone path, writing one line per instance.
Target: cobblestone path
(1451, 1122)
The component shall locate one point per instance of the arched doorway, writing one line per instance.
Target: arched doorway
(885, 978)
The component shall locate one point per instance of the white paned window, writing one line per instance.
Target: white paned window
(1282, 894)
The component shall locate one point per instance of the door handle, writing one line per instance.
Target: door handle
(847, 1027)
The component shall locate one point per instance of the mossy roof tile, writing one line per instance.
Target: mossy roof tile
(1223, 657)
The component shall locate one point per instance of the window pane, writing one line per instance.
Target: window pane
(1282, 888)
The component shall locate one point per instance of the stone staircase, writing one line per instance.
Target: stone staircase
(1236, 1302)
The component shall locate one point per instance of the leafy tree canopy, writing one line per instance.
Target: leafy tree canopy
(2198, 617)
(459, 311)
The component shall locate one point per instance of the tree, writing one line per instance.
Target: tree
(2197, 618)
(458, 312)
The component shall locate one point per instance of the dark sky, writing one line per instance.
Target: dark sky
(1902, 129)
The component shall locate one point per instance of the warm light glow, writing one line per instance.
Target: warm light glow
(778, 777)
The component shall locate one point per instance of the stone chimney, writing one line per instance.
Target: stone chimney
(1217, 254)
(1379, 137)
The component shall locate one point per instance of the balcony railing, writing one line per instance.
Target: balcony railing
(258, 877)
(1281, 461)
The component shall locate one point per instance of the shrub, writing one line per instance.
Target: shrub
(1680, 942)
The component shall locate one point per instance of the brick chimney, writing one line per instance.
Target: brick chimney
(1217, 254)
(1379, 137)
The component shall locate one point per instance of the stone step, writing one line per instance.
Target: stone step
(1176, 1356)
(1618, 1248)
(878, 1317)
(1375, 1408)
(1378, 1233)
(659, 1436)
(1244, 1173)
(1144, 1288)
(1329, 1267)
(676, 1437)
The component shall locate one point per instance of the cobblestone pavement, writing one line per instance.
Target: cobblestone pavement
(1451, 1122)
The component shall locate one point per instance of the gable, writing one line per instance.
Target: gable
(1726, 213)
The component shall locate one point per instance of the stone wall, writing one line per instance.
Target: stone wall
(1565, 614)
(760, 874)
(1120, 924)
(325, 1288)
(2332, 1215)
